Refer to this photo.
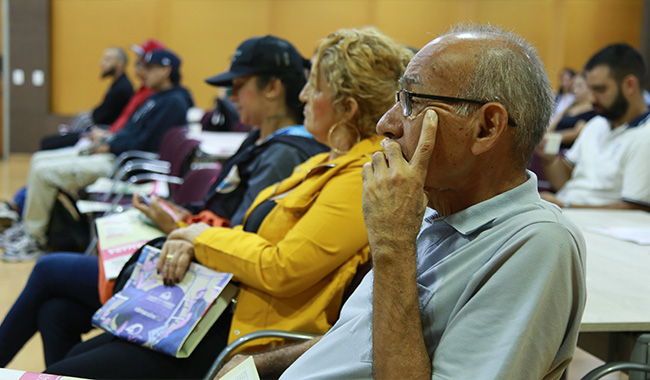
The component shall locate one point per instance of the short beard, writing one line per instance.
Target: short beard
(618, 109)
(109, 73)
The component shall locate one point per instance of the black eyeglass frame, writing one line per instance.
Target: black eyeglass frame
(407, 107)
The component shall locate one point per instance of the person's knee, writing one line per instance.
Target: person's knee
(50, 315)
(44, 267)
(41, 171)
(52, 269)
(64, 319)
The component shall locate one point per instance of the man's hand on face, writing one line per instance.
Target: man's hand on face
(394, 198)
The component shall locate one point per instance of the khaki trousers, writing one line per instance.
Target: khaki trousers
(51, 170)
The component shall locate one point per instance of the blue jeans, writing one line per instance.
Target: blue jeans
(59, 300)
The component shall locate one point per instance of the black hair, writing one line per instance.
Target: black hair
(175, 77)
(293, 83)
(622, 60)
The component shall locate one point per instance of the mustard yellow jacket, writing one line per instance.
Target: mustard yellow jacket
(294, 270)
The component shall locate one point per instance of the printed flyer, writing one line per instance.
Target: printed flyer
(168, 319)
(119, 236)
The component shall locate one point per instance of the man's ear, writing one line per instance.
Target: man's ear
(349, 108)
(630, 85)
(492, 123)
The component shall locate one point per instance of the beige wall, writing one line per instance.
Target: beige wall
(206, 32)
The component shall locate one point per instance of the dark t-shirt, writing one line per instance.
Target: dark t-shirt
(116, 98)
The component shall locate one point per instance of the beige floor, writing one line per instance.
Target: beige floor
(13, 174)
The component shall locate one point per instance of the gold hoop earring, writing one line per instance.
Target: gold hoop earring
(331, 143)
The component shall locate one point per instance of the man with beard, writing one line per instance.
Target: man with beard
(607, 167)
(113, 65)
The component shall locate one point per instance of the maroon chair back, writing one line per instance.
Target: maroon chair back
(170, 141)
(181, 153)
(196, 185)
(537, 168)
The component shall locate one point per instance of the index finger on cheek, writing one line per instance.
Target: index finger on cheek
(426, 143)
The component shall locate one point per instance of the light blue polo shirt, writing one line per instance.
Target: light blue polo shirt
(501, 287)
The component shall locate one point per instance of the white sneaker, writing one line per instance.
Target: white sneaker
(24, 248)
(12, 234)
(8, 215)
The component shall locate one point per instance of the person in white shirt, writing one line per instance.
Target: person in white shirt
(607, 167)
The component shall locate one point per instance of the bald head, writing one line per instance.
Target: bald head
(113, 62)
(485, 63)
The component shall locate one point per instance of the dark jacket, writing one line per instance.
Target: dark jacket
(253, 168)
(144, 130)
(115, 100)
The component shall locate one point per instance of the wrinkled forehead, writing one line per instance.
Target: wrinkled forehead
(442, 63)
(409, 80)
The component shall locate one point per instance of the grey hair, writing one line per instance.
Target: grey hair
(513, 75)
(121, 54)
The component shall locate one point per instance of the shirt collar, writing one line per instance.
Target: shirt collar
(292, 130)
(476, 216)
(636, 122)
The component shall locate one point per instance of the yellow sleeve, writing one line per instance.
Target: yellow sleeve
(329, 233)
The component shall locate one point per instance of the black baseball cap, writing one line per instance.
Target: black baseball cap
(261, 55)
(165, 58)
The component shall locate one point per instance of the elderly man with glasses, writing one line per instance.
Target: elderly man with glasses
(475, 277)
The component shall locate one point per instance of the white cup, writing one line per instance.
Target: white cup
(194, 129)
(553, 142)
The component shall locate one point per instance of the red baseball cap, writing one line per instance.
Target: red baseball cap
(147, 46)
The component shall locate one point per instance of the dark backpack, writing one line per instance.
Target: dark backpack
(68, 230)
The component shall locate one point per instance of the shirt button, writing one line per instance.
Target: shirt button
(236, 332)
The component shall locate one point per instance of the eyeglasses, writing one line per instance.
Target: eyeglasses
(404, 97)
